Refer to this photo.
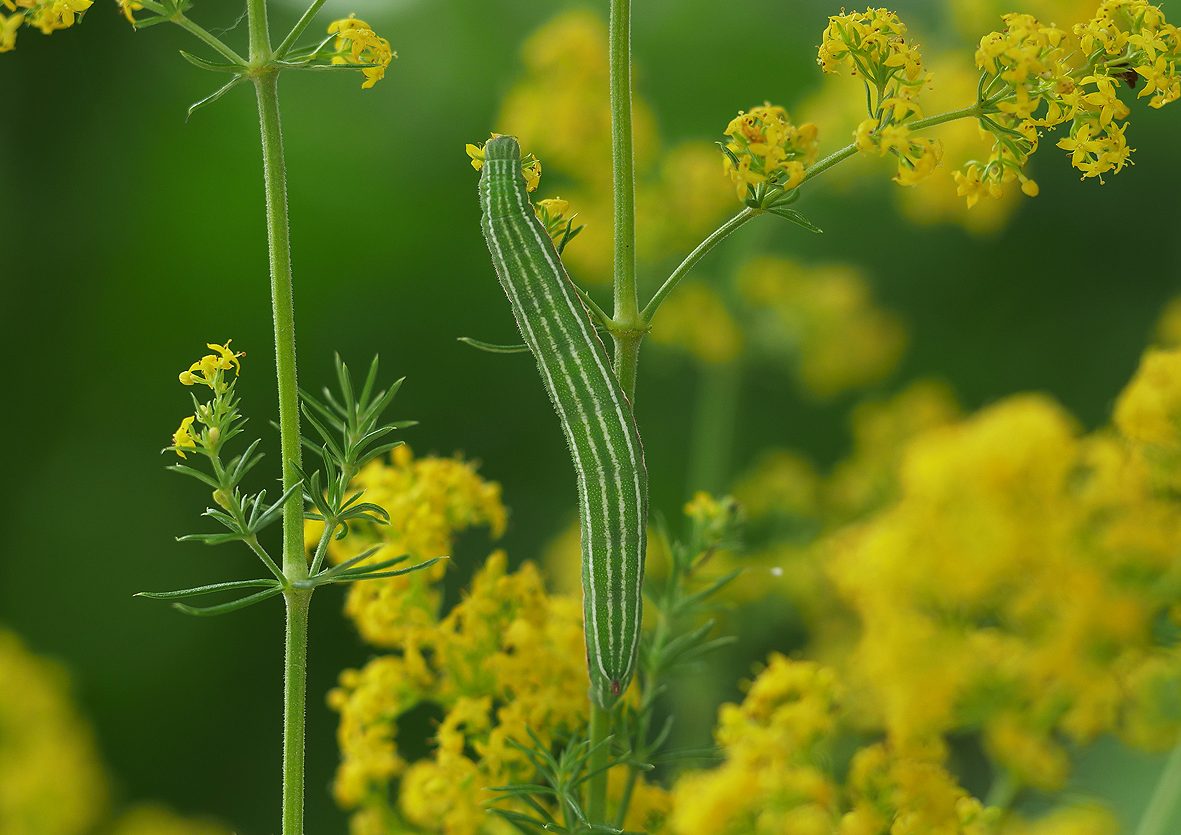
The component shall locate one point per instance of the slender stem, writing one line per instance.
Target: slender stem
(322, 546)
(299, 28)
(600, 729)
(295, 683)
(1158, 814)
(262, 554)
(194, 29)
(716, 237)
(208, 38)
(295, 566)
(628, 329)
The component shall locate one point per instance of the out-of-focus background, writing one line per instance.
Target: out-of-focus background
(132, 238)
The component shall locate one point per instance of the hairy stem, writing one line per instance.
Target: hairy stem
(628, 330)
(295, 683)
(600, 729)
(295, 567)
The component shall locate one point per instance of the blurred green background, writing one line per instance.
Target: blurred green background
(132, 238)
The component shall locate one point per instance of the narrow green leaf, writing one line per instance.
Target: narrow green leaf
(210, 589)
(349, 577)
(346, 384)
(212, 66)
(795, 217)
(214, 96)
(493, 348)
(370, 380)
(210, 538)
(194, 473)
(226, 608)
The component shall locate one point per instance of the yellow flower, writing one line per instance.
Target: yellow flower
(530, 165)
(764, 148)
(183, 438)
(210, 369)
(554, 214)
(9, 25)
(357, 43)
(129, 8)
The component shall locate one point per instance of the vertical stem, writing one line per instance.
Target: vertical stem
(600, 729)
(295, 683)
(629, 330)
(295, 565)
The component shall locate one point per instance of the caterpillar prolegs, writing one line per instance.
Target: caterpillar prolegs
(595, 414)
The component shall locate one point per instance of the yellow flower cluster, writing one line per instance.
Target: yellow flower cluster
(51, 779)
(1034, 80)
(823, 319)
(357, 43)
(506, 658)
(773, 779)
(765, 151)
(873, 46)
(47, 16)
(778, 775)
(1013, 586)
(530, 164)
(210, 369)
(430, 501)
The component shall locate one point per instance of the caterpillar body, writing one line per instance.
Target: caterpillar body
(596, 417)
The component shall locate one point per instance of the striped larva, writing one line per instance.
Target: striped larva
(595, 414)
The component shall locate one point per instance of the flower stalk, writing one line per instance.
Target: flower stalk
(295, 568)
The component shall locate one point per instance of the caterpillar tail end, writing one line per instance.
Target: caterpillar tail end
(605, 692)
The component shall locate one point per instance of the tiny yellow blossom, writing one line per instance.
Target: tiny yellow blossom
(183, 438)
(210, 369)
(9, 26)
(555, 215)
(530, 165)
(129, 8)
(357, 43)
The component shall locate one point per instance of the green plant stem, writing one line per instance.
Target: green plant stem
(295, 567)
(1158, 813)
(628, 329)
(600, 729)
(295, 683)
(716, 237)
(202, 34)
(282, 49)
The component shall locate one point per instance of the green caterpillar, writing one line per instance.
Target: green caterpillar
(595, 413)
